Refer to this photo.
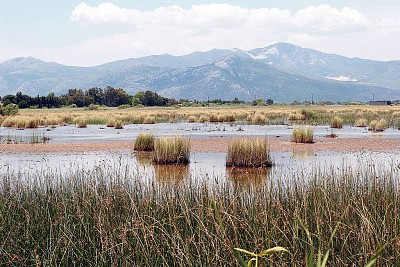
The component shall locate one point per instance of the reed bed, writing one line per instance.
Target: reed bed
(109, 216)
(248, 152)
(318, 115)
(171, 150)
(303, 134)
(144, 142)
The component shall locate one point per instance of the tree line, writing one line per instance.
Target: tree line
(111, 97)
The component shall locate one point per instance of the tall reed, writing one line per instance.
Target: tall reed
(111, 216)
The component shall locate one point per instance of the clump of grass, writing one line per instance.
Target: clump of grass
(229, 118)
(248, 152)
(144, 142)
(258, 119)
(118, 124)
(303, 134)
(192, 119)
(213, 117)
(296, 116)
(149, 120)
(361, 122)
(336, 122)
(82, 123)
(203, 118)
(378, 126)
(110, 123)
(171, 150)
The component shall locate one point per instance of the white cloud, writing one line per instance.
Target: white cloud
(177, 30)
(323, 17)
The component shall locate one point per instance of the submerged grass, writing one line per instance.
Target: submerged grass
(248, 152)
(171, 150)
(110, 216)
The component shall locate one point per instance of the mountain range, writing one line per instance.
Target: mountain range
(282, 72)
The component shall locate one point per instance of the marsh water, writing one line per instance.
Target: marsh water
(101, 133)
(209, 167)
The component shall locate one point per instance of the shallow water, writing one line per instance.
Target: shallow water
(203, 167)
(100, 133)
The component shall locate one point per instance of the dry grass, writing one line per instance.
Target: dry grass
(337, 122)
(144, 142)
(248, 152)
(303, 134)
(378, 125)
(171, 150)
(361, 122)
(149, 120)
(313, 114)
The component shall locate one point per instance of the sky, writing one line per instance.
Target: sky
(91, 32)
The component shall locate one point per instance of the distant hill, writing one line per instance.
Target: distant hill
(282, 71)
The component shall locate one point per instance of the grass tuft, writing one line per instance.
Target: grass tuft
(337, 122)
(144, 142)
(303, 134)
(248, 152)
(171, 150)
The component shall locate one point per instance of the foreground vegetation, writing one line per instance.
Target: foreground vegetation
(109, 216)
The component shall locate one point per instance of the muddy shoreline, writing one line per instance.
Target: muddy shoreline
(217, 144)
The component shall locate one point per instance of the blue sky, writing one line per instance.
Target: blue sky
(87, 33)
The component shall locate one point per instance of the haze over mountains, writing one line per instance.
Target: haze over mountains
(282, 72)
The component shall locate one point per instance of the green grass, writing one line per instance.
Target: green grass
(303, 134)
(110, 216)
(171, 150)
(144, 142)
(248, 152)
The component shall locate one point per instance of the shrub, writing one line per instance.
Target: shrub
(93, 107)
(144, 142)
(9, 110)
(171, 150)
(303, 135)
(248, 152)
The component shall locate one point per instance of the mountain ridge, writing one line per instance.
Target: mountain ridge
(281, 71)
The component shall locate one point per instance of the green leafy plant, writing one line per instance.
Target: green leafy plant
(255, 256)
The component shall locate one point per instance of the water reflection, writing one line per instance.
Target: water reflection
(308, 154)
(171, 174)
(143, 159)
(247, 177)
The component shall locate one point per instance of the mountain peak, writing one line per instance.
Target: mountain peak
(19, 63)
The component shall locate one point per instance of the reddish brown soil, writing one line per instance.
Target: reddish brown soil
(218, 145)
